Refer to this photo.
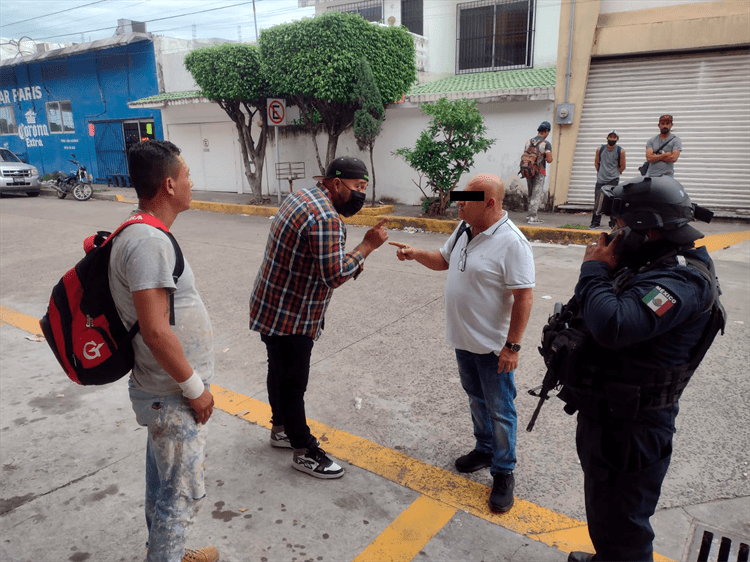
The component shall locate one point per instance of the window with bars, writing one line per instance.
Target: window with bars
(60, 117)
(412, 15)
(371, 10)
(8, 121)
(495, 35)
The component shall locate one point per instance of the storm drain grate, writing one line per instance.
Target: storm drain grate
(713, 545)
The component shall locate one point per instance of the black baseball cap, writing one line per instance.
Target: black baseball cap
(545, 126)
(345, 168)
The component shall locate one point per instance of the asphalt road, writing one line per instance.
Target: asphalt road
(383, 347)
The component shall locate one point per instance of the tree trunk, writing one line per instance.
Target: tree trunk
(333, 141)
(372, 171)
(250, 150)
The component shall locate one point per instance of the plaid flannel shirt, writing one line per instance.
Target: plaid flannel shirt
(303, 262)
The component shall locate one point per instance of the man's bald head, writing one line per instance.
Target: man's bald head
(491, 184)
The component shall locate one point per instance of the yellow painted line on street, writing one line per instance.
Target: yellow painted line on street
(409, 533)
(371, 216)
(449, 492)
(19, 320)
(715, 242)
(432, 481)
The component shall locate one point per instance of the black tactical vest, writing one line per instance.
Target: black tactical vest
(606, 384)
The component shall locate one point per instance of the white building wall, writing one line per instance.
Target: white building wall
(612, 6)
(547, 32)
(510, 123)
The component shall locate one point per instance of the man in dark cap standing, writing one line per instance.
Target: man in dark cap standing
(304, 261)
(536, 184)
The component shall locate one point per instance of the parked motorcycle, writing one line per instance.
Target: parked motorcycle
(76, 183)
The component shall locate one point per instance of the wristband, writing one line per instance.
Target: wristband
(193, 387)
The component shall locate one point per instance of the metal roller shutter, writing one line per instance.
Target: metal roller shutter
(709, 96)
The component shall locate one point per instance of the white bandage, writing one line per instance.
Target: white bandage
(193, 387)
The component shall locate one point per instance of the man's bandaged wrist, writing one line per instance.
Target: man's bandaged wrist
(193, 387)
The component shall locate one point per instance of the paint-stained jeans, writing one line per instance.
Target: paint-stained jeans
(175, 454)
(536, 190)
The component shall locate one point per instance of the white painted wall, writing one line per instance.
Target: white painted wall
(209, 142)
(220, 168)
(510, 123)
(612, 6)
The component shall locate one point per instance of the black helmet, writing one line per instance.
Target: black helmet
(658, 203)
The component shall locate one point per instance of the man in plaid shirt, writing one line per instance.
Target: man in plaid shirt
(303, 262)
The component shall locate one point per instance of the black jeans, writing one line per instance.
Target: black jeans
(624, 465)
(288, 372)
(597, 219)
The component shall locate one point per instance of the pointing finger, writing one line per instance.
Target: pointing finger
(400, 245)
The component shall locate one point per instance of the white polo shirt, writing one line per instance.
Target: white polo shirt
(478, 300)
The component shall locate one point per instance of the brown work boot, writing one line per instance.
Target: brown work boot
(205, 554)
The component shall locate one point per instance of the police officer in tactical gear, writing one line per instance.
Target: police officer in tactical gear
(648, 301)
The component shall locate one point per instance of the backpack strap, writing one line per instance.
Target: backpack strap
(619, 154)
(463, 227)
(666, 142)
(179, 266)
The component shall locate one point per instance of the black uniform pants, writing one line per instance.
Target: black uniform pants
(624, 465)
(288, 372)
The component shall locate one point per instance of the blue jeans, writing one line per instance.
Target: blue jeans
(491, 396)
(175, 452)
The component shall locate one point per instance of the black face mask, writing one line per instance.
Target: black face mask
(352, 206)
(611, 142)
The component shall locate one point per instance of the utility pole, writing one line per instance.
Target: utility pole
(255, 19)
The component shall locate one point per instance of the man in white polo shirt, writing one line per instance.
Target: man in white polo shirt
(488, 299)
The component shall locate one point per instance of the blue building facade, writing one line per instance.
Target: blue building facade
(75, 101)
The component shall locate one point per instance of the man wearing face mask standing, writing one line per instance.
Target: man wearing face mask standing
(304, 261)
(609, 162)
(663, 150)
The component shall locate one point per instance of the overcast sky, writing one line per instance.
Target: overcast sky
(58, 21)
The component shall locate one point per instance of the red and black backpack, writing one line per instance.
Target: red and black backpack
(82, 325)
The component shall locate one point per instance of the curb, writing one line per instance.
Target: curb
(371, 217)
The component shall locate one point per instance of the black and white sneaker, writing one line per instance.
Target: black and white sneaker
(316, 463)
(280, 440)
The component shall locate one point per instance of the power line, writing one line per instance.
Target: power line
(53, 13)
(66, 25)
(146, 21)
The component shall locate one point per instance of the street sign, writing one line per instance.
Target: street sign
(276, 112)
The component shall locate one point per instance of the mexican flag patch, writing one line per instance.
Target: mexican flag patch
(659, 300)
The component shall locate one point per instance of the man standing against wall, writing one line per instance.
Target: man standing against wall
(609, 162)
(663, 150)
(536, 184)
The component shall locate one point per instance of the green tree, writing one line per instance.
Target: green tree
(313, 62)
(446, 149)
(230, 74)
(369, 117)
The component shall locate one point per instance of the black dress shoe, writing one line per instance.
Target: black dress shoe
(473, 461)
(580, 556)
